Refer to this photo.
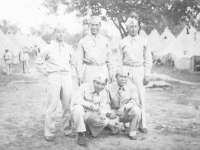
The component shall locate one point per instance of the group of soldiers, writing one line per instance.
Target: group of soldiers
(23, 57)
(108, 96)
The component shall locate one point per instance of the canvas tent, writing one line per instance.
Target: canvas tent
(143, 34)
(153, 37)
(165, 39)
(178, 50)
(11, 46)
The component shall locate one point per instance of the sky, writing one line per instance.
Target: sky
(30, 13)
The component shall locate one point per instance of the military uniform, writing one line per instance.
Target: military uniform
(125, 99)
(8, 62)
(55, 61)
(24, 57)
(82, 115)
(137, 58)
(93, 56)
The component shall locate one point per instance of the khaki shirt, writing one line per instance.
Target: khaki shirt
(94, 49)
(127, 95)
(54, 58)
(135, 50)
(87, 96)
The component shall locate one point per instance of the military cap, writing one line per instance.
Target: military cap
(101, 77)
(131, 21)
(94, 19)
(122, 71)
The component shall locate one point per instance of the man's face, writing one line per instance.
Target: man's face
(99, 86)
(94, 28)
(122, 79)
(60, 34)
(133, 29)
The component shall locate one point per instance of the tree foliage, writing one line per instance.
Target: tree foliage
(153, 13)
(8, 26)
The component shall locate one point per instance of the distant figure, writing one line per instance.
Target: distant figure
(7, 61)
(35, 51)
(24, 57)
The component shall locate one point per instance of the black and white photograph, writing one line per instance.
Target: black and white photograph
(99, 74)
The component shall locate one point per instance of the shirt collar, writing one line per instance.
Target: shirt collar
(133, 38)
(97, 36)
(57, 44)
(124, 87)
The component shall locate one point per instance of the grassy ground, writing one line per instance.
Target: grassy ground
(184, 75)
(17, 73)
(173, 117)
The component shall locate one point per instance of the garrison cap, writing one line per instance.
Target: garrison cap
(122, 71)
(101, 77)
(95, 20)
(131, 21)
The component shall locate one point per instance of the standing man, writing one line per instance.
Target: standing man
(89, 107)
(93, 54)
(55, 62)
(124, 102)
(137, 58)
(24, 57)
(8, 62)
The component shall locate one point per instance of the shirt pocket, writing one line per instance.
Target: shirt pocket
(88, 47)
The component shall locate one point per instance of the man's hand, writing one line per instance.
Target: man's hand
(120, 111)
(146, 80)
(128, 106)
(80, 81)
(111, 116)
(94, 107)
(102, 117)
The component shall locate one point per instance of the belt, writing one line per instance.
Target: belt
(131, 64)
(93, 64)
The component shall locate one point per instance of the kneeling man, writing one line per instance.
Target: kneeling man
(124, 102)
(88, 108)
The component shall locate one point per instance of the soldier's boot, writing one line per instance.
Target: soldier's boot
(81, 139)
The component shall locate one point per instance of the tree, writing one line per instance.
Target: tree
(32, 30)
(153, 13)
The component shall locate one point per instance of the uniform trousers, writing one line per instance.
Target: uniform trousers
(59, 88)
(132, 116)
(8, 67)
(136, 75)
(90, 72)
(82, 117)
(25, 65)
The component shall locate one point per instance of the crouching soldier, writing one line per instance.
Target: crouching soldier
(124, 103)
(88, 109)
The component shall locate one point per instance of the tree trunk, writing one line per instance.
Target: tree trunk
(120, 28)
